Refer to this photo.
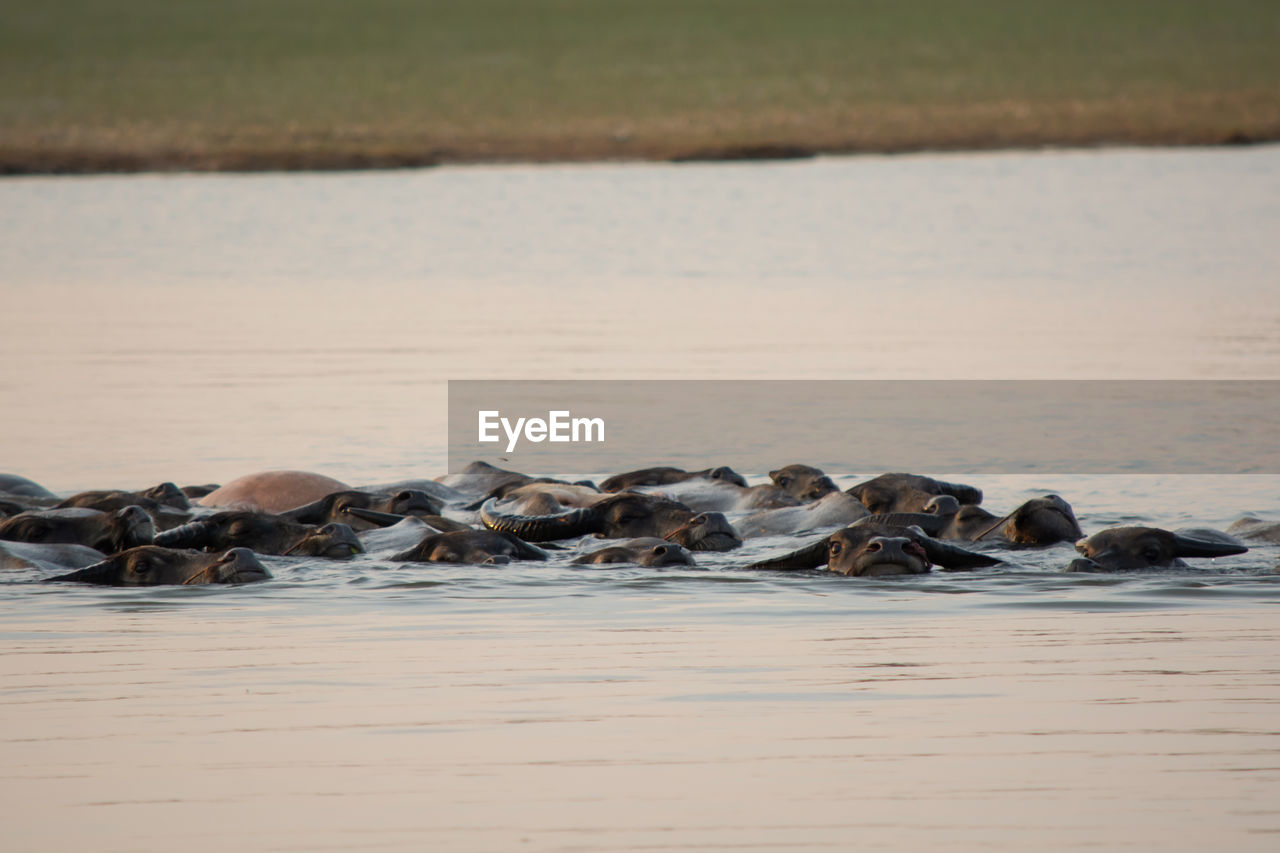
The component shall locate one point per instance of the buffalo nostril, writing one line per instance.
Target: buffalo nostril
(873, 547)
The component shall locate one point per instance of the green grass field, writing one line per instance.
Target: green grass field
(87, 85)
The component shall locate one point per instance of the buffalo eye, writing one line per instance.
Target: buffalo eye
(1151, 554)
(834, 547)
(784, 481)
(659, 550)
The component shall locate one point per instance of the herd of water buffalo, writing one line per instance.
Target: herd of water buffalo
(893, 524)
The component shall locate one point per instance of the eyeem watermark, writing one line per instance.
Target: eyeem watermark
(559, 426)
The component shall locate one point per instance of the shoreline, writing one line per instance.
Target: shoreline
(31, 161)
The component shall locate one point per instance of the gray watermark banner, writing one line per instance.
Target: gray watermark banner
(982, 426)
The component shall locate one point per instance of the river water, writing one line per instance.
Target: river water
(194, 328)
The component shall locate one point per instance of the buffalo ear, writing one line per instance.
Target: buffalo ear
(418, 553)
(1206, 543)
(961, 492)
(809, 557)
(949, 556)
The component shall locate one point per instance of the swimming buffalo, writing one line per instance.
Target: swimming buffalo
(48, 556)
(623, 516)
(643, 552)
(261, 532)
(1133, 548)
(18, 486)
(870, 547)
(667, 476)
(108, 532)
(803, 482)
(272, 491)
(152, 499)
(835, 509)
(338, 506)
(152, 565)
(1038, 521)
(909, 492)
(1250, 527)
(471, 546)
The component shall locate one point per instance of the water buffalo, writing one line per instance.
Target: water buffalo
(152, 565)
(470, 546)
(272, 491)
(108, 532)
(667, 476)
(338, 506)
(261, 532)
(704, 495)
(1039, 521)
(803, 482)
(480, 479)
(335, 541)
(835, 509)
(1130, 548)
(871, 547)
(165, 503)
(152, 499)
(1261, 529)
(623, 516)
(645, 552)
(909, 493)
(50, 557)
(21, 487)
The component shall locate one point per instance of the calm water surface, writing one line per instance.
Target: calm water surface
(196, 328)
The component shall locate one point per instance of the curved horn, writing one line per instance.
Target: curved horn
(952, 557)
(312, 513)
(809, 557)
(1194, 546)
(541, 528)
(382, 519)
(197, 534)
(104, 573)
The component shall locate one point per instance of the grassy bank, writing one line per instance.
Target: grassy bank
(246, 84)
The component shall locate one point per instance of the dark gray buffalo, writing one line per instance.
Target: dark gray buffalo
(152, 565)
(1135, 548)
